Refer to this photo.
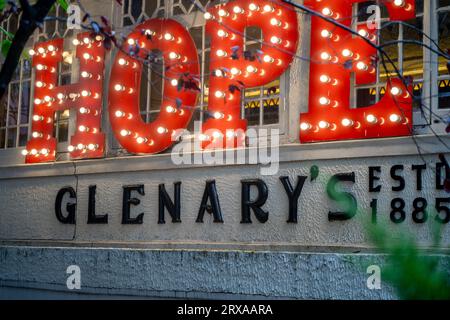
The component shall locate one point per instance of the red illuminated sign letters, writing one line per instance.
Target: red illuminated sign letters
(84, 96)
(335, 55)
(181, 71)
(234, 69)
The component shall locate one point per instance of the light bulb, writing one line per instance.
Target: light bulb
(238, 10)
(275, 40)
(395, 91)
(208, 16)
(84, 110)
(363, 33)
(325, 79)
(131, 42)
(324, 125)
(119, 87)
(141, 140)
(268, 8)
(347, 53)
(220, 94)
(221, 53)
(171, 109)
(218, 115)
(124, 133)
(76, 42)
(362, 66)
(86, 74)
(161, 130)
(80, 146)
(324, 101)
(252, 69)
(219, 73)
(268, 59)
(305, 126)
(399, 3)
(168, 37)
(216, 134)
(123, 62)
(174, 82)
(235, 71)
(223, 13)
(174, 55)
(44, 152)
(40, 84)
(253, 7)
(326, 34)
(347, 122)
(82, 128)
(92, 147)
(33, 152)
(221, 33)
(371, 119)
(325, 56)
(395, 118)
(37, 118)
(327, 12)
(71, 148)
(275, 22)
(31, 52)
(119, 114)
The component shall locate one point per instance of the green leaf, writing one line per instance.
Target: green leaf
(6, 45)
(314, 172)
(64, 4)
(2, 4)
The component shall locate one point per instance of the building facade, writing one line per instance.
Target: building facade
(103, 216)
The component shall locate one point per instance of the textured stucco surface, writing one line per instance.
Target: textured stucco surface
(194, 274)
(27, 210)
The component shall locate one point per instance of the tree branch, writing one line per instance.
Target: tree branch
(32, 18)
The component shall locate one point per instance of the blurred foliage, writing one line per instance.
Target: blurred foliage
(412, 273)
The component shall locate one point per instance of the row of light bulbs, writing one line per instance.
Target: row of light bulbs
(347, 123)
(34, 152)
(252, 7)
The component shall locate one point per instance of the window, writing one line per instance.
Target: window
(408, 58)
(443, 82)
(16, 109)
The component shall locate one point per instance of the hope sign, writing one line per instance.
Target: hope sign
(335, 55)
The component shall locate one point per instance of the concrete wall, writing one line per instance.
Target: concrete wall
(315, 258)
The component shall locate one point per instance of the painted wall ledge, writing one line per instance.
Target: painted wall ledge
(404, 146)
(195, 274)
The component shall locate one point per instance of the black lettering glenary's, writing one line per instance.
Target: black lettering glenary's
(210, 201)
